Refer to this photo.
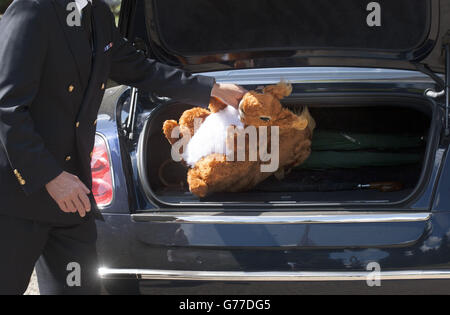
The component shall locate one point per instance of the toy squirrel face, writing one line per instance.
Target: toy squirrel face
(258, 109)
(264, 109)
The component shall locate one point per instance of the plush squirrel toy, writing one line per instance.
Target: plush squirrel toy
(231, 150)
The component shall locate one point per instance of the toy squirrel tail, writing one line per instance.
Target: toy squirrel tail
(311, 122)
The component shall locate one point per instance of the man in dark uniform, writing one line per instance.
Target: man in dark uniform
(52, 80)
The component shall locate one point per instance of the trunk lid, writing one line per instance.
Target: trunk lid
(202, 35)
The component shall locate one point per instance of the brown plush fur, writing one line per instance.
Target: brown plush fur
(214, 173)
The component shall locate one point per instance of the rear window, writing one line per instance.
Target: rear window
(198, 27)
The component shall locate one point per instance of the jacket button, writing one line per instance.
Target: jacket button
(77, 124)
(68, 158)
(103, 86)
(71, 88)
(22, 182)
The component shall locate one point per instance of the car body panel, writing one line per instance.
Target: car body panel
(134, 246)
(132, 239)
(183, 247)
(107, 128)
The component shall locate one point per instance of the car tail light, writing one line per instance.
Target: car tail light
(102, 186)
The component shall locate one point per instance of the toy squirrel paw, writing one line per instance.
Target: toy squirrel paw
(198, 187)
(168, 127)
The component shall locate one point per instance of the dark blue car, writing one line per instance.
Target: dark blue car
(375, 219)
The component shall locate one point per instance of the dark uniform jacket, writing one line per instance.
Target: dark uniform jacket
(50, 93)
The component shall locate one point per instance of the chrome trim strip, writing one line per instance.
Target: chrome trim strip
(221, 218)
(318, 75)
(154, 274)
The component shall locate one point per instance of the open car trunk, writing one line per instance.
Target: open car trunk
(358, 140)
(226, 35)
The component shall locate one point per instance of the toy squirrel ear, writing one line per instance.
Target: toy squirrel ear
(216, 105)
(280, 90)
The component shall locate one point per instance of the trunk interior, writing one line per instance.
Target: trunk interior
(358, 141)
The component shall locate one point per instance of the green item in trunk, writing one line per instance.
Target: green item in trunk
(356, 159)
(330, 140)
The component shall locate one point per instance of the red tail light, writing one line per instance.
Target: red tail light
(102, 186)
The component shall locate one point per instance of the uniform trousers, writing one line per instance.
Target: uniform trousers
(65, 257)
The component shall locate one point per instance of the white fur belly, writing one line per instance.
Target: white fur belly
(211, 135)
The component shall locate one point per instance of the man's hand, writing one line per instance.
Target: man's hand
(69, 193)
(230, 94)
